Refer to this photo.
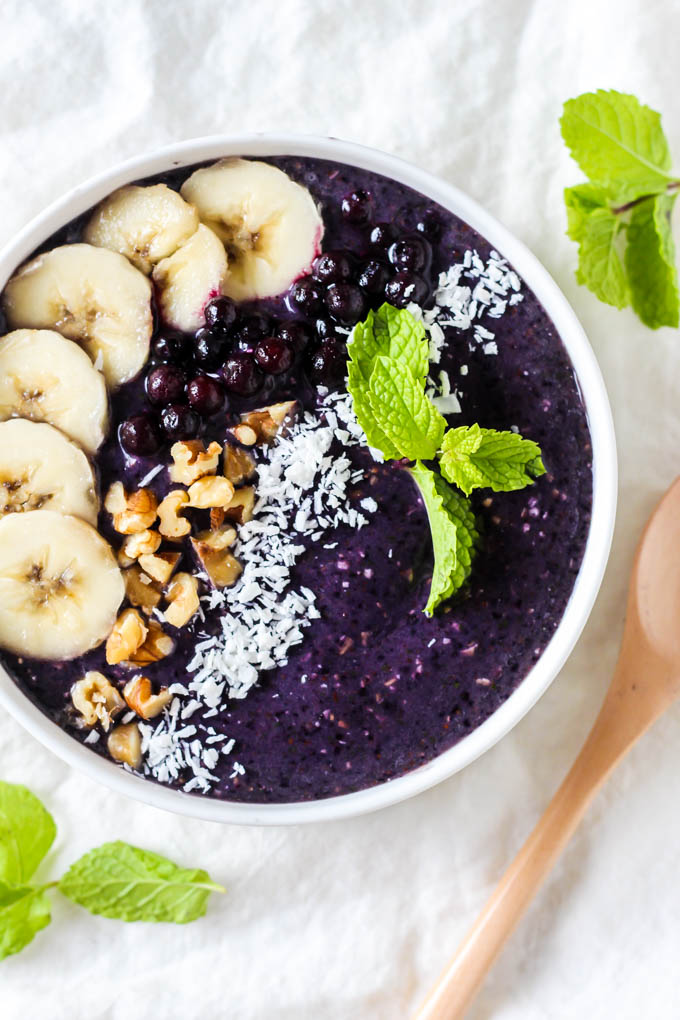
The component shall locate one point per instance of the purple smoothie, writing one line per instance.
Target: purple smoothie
(376, 688)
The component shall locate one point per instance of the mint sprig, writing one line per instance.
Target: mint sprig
(115, 880)
(387, 377)
(621, 217)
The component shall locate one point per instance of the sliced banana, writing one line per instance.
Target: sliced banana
(269, 225)
(45, 377)
(40, 469)
(60, 586)
(187, 280)
(146, 224)
(91, 295)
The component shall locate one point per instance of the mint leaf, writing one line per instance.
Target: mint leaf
(600, 267)
(581, 201)
(27, 831)
(402, 410)
(454, 535)
(474, 458)
(650, 263)
(24, 911)
(358, 387)
(121, 881)
(402, 337)
(618, 143)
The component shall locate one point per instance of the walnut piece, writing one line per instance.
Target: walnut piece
(141, 699)
(183, 602)
(212, 549)
(171, 524)
(96, 699)
(134, 546)
(193, 461)
(208, 492)
(160, 566)
(240, 507)
(128, 635)
(244, 434)
(125, 744)
(265, 422)
(239, 466)
(140, 589)
(132, 512)
(158, 645)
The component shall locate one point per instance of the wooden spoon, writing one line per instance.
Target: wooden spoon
(646, 682)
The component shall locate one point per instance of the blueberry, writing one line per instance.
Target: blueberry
(165, 384)
(430, 225)
(382, 235)
(405, 288)
(332, 267)
(297, 334)
(328, 364)
(325, 329)
(139, 435)
(240, 374)
(205, 395)
(209, 347)
(346, 303)
(251, 329)
(356, 207)
(220, 312)
(413, 253)
(169, 346)
(373, 276)
(274, 355)
(180, 422)
(305, 296)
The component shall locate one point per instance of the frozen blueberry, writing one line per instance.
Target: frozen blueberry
(430, 225)
(180, 422)
(205, 395)
(274, 355)
(139, 435)
(405, 288)
(251, 329)
(221, 313)
(165, 384)
(327, 365)
(382, 235)
(209, 347)
(240, 374)
(411, 253)
(332, 267)
(169, 346)
(356, 207)
(373, 276)
(346, 303)
(305, 296)
(297, 334)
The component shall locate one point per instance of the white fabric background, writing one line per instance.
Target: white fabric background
(354, 920)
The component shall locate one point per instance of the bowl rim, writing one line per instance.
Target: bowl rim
(587, 584)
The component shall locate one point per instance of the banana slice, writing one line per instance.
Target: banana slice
(187, 280)
(40, 469)
(269, 225)
(146, 224)
(91, 295)
(60, 586)
(45, 377)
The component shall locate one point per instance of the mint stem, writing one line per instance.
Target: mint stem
(673, 186)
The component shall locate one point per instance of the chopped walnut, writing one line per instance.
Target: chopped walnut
(183, 602)
(128, 635)
(140, 544)
(171, 524)
(217, 517)
(193, 461)
(158, 645)
(211, 548)
(239, 466)
(209, 492)
(160, 566)
(265, 422)
(125, 745)
(96, 699)
(140, 589)
(132, 512)
(244, 434)
(140, 698)
(240, 507)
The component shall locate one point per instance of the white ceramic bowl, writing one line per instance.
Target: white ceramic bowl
(587, 583)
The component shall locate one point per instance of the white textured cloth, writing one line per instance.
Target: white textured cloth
(354, 920)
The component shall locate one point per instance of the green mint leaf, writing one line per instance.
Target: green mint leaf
(358, 387)
(121, 881)
(581, 201)
(618, 143)
(402, 410)
(403, 338)
(600, 267)
(27, 831)
(24, 911)
(650, 263)
(454, 535)
(474, 458)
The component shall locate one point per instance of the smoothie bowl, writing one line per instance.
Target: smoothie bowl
(215, 554)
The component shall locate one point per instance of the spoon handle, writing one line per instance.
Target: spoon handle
(612, 735)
